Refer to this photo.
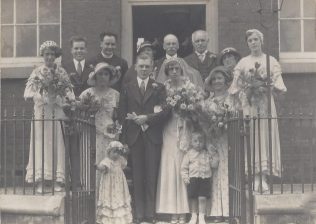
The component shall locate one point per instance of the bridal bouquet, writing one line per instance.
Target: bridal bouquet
(52, 81)
(183, 100)
(213, 117)
(256, 85)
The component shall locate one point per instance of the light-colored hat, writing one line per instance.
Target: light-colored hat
(221, 69)
(143, 45)
(115, 75)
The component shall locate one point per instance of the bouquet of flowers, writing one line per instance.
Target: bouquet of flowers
(88, 103)
(51, 81)
(213, 117)
(255, 85)
(183, 100)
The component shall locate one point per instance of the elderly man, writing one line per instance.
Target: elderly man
(171, 47)
(201, 59)
(108, 46)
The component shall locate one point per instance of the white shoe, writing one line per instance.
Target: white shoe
(57, 187)
(39, 188)
(193, 220)
(202, 219)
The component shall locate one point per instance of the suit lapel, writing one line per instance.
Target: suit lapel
(149, 90)
(136, 91)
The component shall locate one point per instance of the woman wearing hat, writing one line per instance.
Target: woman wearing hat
(101, 79)
(48, 100)
(229, 57)
(218, 82)
(250, 86)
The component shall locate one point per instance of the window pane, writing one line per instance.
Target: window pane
(309, 8)
(6, 11)
(7, 41)
(49, 11)
(49, 32)
(290, 35)
(26, 41)
(26, 11)
(290, 9)
(310, 35)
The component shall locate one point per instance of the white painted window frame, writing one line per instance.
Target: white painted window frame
(299, 61)
(127, 21)
(12, 62)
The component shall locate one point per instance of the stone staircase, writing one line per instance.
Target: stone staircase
(32, 209)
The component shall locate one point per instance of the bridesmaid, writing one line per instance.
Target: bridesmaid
(252, 67)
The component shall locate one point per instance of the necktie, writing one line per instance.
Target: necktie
(201, 57)
(79, 68)
(142, 88)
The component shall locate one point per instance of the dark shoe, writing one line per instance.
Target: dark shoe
(150, 220)
(219, 219)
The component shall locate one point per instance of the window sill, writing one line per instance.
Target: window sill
(298, 65)
(22, 62)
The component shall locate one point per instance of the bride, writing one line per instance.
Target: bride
(171, 192)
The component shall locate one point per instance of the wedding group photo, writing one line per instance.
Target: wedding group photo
(156, 111)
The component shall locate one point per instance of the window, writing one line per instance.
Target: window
(25, 24)
(298, 31)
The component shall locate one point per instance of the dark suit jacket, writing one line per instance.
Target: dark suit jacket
(79, 82)
(131, 101)
(204, 67)
(114, 61)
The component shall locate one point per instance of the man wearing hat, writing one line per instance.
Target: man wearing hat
(108, 46)
(201, 59)
(146, 48)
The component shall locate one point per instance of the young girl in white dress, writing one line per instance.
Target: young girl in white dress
(114, 200)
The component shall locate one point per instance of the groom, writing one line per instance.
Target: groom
(142, 117)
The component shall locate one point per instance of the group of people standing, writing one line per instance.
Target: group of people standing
(177, 166)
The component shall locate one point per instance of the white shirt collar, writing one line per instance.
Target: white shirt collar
(174, 56)
(204, 53)
(139, 80)
(105, 56)
(82, 62)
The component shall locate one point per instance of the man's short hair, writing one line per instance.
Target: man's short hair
(77, 39)
(144, 56)
(198, 31)
(109, 34)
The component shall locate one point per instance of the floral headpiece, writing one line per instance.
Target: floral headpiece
(50, 44)
(116, 145)
(168, 60)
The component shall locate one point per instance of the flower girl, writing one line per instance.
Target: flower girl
(114, 201)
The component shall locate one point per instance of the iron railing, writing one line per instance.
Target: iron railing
(78, 136)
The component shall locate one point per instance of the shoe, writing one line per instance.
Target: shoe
(58, 187)
(137, 221)
(202, 219)
(182, 219)
(193, 219)
(265, 186)
(219, 219)
(39, 188)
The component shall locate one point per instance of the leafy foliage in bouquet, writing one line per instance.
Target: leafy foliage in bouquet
(255, 86)
(184, 100)
(213, 117)
(88, 104)
(52, 81)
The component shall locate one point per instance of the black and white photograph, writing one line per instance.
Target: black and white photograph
(158, 111)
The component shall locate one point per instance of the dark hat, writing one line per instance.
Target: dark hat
(143, 45)
(229, 50)
(221, 69)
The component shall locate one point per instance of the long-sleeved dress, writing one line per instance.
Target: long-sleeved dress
(243, 71)
(103, 119)
(47, 105)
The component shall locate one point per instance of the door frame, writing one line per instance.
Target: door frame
(211, 17)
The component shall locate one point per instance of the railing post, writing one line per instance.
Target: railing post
(92, 167)
(249, 171)
(67, 129)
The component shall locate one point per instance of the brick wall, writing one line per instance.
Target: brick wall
(89, 18)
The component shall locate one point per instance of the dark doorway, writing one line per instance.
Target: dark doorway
(154, 22)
